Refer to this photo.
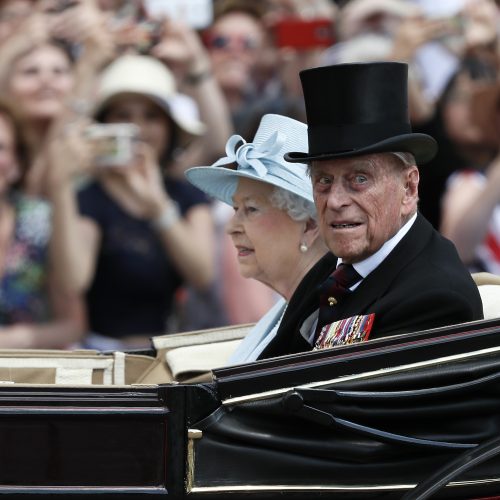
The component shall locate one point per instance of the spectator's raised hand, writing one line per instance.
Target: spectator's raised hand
(143, 182)
(84, 24)
(68, 153)
(15, 18)
(182, 50)
(414, 32)
(480, 22)
(29, 33)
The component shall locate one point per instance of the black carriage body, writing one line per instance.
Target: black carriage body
(366, 421)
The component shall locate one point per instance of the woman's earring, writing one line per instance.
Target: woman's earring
(303, 247)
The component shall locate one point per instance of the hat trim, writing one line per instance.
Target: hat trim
(422, 146)
(193, 128)
(349, 136)
(199, 177)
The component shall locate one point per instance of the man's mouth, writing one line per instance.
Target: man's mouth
(345, 225)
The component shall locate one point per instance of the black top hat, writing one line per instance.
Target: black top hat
(357, 109)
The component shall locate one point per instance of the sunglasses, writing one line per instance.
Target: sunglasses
(224, 42)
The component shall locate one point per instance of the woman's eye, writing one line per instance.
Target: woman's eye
(61, 71)
(153, 115)
(120, 116)
(30, 71)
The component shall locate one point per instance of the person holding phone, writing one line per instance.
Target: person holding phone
(139, 233)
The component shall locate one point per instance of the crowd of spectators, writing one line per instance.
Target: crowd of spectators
(103, 250)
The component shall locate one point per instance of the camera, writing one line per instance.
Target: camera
(113, 143)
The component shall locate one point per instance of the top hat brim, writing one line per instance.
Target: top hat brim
(422, 146)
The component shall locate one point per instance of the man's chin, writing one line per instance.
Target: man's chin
(348, 255)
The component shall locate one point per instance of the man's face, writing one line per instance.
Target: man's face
(362, 202)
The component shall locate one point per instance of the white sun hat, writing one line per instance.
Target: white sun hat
(147, 76)
(261, 160)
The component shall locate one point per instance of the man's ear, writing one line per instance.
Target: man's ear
(411, 180)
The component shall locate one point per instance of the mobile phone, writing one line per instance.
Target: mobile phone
(143, 32)
(198, 14)
(113, 142)
(304, 34)
(149, 33)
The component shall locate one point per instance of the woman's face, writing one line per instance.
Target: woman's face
(40, 82)
(266, 238)
(9, 167)
(154, 125)
(234, 45)
(457, 113)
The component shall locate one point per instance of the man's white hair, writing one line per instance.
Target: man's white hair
(407, 159)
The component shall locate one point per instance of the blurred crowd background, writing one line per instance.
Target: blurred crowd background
(98, 254)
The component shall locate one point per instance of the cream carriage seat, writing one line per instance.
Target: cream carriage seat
(489, 288)
(183, 357)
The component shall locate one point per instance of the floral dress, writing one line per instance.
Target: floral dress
(23, 286)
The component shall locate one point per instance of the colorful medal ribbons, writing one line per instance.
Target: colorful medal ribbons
(346, 331)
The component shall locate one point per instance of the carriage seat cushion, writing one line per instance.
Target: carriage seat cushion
(490, 295)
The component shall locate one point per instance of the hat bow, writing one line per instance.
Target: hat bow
(249, 155)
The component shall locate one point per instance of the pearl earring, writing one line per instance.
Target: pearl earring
(303, 248)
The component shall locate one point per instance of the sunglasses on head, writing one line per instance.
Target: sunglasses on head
(224, 42)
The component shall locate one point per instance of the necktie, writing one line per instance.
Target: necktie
(332, 290)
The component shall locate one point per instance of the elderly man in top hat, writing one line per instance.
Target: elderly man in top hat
(389, 271)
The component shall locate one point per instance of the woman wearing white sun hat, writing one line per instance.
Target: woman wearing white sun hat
(274, 225)
(139, 228)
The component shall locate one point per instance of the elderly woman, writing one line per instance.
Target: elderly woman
(274, 226)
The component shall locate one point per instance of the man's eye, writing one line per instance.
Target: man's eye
(360, 179)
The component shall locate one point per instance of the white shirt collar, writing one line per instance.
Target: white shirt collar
(365, 267)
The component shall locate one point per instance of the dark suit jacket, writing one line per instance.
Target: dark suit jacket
(421, 284)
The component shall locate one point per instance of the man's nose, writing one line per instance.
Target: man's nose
(338, 197)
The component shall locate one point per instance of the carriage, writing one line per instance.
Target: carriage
(409, 417)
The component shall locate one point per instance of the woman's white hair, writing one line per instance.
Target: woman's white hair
(295, 206)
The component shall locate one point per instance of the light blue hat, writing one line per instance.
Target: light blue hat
(261, 160)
